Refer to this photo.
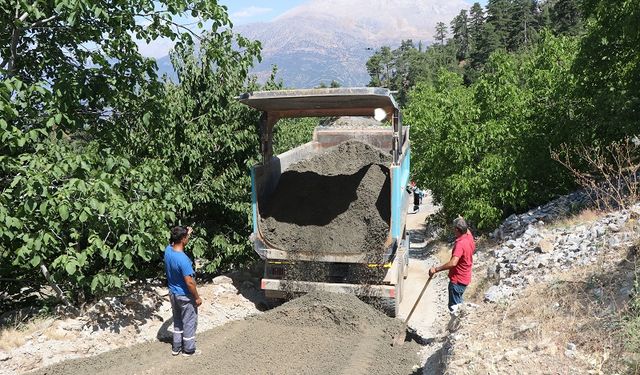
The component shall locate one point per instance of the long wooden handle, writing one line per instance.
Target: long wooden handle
(418, 300)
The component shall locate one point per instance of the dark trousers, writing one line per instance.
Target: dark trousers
(185, 323)
(455, 294)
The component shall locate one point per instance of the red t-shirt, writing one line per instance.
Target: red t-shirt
(464, 248)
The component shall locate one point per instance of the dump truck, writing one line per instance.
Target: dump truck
(390, 268)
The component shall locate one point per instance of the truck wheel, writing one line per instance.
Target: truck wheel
(387, 306)
(271, 303)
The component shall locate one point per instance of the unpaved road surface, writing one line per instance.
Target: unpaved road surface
(309, 335)
(319, 333)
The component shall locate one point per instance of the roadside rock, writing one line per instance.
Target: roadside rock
(496, 293)
(545, 245)
(221, 280)
(533, 250)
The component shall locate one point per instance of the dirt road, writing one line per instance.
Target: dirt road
(319, 333)
(341, 335)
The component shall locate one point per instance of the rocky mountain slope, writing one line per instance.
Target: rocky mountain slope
(324, 40)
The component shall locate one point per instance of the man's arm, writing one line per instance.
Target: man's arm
(450, 264)
(191, 285)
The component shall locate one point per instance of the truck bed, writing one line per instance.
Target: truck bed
(265, 179)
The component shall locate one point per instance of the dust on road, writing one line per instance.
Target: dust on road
(320, 333)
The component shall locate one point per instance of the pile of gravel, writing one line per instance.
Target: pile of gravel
(353, 122)
(331, 310)
(335, 202)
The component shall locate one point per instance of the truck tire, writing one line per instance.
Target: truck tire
(386, 306)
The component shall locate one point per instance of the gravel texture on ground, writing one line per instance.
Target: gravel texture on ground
(335, 202)
(319, 333)
(351, 122)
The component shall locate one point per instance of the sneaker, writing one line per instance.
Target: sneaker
(176, 352)
(196, 352)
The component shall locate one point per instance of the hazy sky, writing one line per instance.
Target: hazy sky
(247, 11)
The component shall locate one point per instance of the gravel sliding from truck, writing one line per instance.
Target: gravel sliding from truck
(319, 333)
(335, 202)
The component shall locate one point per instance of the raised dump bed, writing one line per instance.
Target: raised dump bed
(330, 214)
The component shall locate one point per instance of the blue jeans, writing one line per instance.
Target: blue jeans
(455, 294)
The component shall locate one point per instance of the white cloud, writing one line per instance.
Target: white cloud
(250, 12)
(156, 49)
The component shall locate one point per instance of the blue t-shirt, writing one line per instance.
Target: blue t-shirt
(177, 265)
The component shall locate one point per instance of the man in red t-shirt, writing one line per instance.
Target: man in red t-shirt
(460, 264)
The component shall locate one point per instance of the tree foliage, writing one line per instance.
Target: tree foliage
(484, 149)
(99, 157)
(483, 144)
(510, 25)
(608, 67)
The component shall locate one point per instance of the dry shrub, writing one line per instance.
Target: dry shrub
(15, 336)
(631, 320)
(587, 307)
(609, 174)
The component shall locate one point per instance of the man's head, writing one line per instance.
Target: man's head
(179, 235)
(460, 226)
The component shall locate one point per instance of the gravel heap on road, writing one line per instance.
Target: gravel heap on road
(320, 333)
(331, 310)
(335, 202)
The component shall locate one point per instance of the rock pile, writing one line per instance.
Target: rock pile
(533, 249)
(515, 225)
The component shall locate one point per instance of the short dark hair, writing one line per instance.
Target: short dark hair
(460, 224)
(177, 234)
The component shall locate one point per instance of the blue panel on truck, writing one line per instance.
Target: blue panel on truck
(254, 200)
(399, 179)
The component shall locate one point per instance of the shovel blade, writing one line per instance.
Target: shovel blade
(398, 339)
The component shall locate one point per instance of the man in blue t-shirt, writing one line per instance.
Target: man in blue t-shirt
(182, 292)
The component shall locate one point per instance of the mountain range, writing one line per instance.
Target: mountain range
(324, 40)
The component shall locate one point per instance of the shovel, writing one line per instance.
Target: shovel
(398, 340)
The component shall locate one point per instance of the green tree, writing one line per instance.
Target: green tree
(565, 17)
(441, 32)
(476, 22)
(291, 132)
(524, 24)
(92, 175)
(213, 141)
(499, 17)
(484, 149)
(609, 70)
(460, 33)
(409, 65)
(488, 43)
(380, 67)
